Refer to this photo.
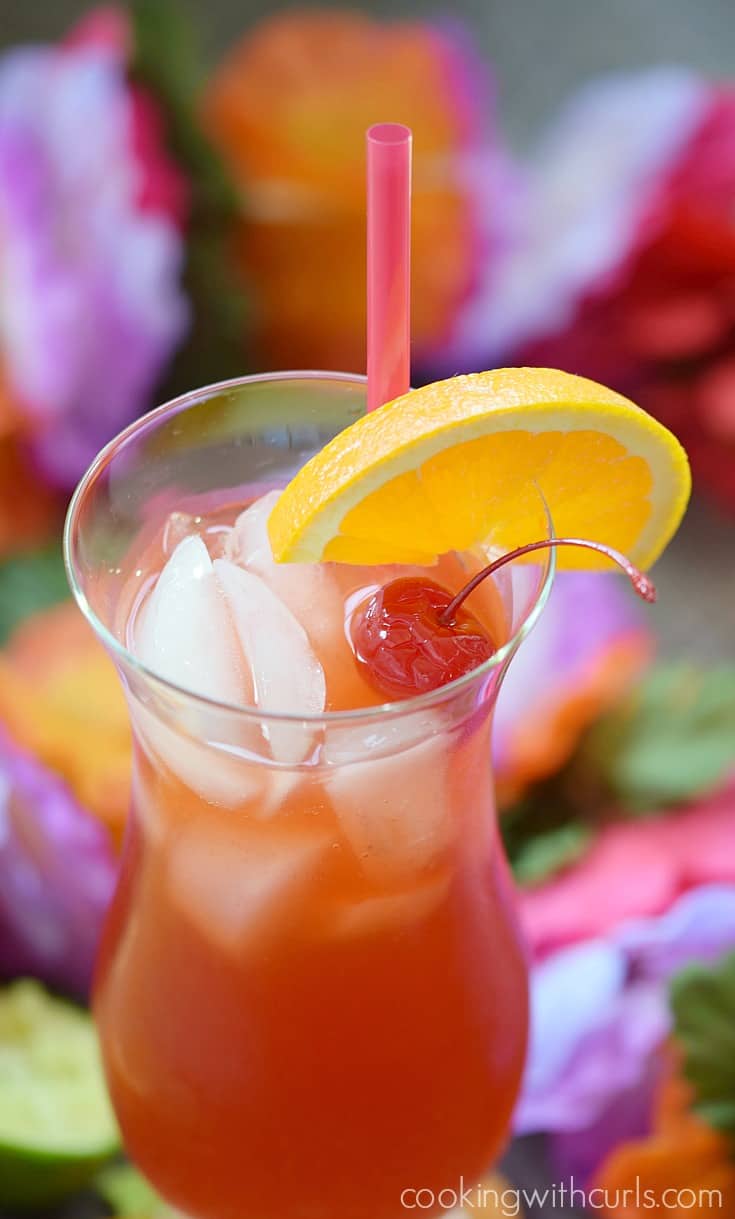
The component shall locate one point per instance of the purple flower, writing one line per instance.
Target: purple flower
(57, 873)
(91, 305)
(586, 190)
(599, 1015)
(585, 649)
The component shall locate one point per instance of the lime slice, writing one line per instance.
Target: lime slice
(130, 1196)
(56, 1124)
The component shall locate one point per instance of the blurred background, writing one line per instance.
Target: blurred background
(539, 51)
(538, 56)
(182, 199)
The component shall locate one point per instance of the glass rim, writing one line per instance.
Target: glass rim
(127, 659)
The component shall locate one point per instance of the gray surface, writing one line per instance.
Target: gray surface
(695, 614)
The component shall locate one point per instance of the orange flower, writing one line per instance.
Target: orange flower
(679, 1163)
(546, 739)
(289, 108)
(60, 698)
(586, 652)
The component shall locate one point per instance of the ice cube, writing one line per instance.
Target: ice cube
(242, 885)
(210, 770)
(249, 543)
(285, 672)
(388, 914)
(376, 736)
(178, 527)
(395, 810)
(152, 819)
(310, 590)
(185, 634)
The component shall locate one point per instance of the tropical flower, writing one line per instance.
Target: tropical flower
(600, 1017)
(61, 699)
(626, 269)
(681, 1154)
(91, 305)
(586, 649)
(632, 870)
(57, 872)
(288, 108)
(588, 185)
(160, 187)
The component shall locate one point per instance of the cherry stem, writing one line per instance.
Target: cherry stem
(641, 582)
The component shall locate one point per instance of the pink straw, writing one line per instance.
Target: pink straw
(388, 262)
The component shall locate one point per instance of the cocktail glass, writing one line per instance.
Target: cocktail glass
(311, 991)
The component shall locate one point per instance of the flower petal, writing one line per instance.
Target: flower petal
(584, 652)
(632, 870)
(61, 698)
(600, 1016)
(77, 245)
(57, 873)
(289, 107)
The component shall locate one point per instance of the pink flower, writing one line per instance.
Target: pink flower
(589, 187)
(624, 269)
(91, 304)
(634, 869)
(161, 186)
(599, 1019)
(588, 646)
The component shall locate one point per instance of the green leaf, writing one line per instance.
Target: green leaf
(540, 857)
(216, 345)
(546, 831)
(159, 24)
(703, 1005)
(671, 741)
(28, 583)
(166, 61)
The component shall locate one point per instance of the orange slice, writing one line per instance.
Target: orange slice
(461, 462)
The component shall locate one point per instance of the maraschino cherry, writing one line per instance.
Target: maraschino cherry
(413, 636)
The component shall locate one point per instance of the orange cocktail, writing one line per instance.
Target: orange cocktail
(311, 993)
(311, 979)
(306, 1007)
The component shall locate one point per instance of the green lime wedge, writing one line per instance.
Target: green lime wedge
(129, 1195)
(56, 1124)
